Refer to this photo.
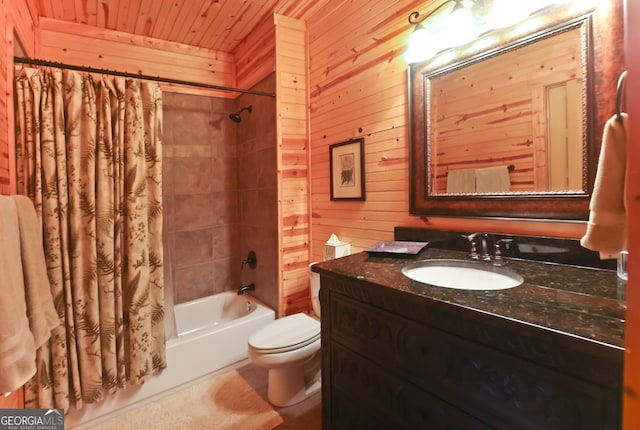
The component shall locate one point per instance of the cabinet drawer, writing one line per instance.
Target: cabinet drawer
(362, 390)
(497, 388)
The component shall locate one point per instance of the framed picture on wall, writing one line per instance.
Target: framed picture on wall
(346, 170)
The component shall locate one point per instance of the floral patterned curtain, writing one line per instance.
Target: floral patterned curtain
(88, 153)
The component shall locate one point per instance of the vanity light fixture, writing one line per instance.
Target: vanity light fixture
(505, 13)
(465, 21)
(457, 29)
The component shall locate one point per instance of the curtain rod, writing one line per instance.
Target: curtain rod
(45, 63)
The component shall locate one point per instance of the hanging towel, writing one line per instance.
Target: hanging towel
(27, 313)
(607, 226)
(40, 309)
(460, 181)
(493, 180)
(17, 349)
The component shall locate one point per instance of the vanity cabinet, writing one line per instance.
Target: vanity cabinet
(391, 361)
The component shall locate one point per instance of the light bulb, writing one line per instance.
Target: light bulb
(506, 13)
(460, 27)
(422, 45)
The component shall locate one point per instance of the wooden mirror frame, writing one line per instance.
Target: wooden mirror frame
(605, 61)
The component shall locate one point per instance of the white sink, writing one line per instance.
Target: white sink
(462, 274)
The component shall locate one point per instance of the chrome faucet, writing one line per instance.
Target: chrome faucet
(245, 288)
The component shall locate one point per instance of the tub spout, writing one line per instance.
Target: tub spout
(250, 287)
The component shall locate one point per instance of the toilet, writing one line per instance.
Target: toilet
(289, 348)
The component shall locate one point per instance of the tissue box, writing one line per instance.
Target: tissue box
(336, 251)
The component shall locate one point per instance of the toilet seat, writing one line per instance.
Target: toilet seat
(286, 334)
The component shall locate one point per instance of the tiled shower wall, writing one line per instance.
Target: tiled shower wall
(200, 196)
(220, 194)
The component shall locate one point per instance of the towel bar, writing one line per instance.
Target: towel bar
(510, 167)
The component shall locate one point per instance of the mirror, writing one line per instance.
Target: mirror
(519, 113)
(509, 131)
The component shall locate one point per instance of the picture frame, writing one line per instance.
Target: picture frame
(346, 170)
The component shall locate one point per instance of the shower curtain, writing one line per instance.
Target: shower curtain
(88, 152)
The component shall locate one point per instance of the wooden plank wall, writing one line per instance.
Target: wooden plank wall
(15, 17)
(23, 19)
(84, 45)
(358, 88)
(216, 25)
(293, 172)
(6, 51)
(255, 56)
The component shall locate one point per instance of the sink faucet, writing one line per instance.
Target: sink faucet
(243, 289)
(484, 249)
(484, 253)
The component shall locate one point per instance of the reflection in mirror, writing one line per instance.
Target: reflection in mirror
(512, 122)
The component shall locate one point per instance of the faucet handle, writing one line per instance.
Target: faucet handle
(473, 251)
(498, 259)
(251, 261)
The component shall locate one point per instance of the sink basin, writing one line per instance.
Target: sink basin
(462, 274)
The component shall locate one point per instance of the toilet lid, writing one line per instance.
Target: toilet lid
(290, 332)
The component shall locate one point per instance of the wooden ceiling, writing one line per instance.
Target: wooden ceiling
(212, 24)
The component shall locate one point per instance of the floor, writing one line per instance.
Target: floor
(305, 415)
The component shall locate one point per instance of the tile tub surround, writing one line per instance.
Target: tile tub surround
(569, 314)
(220, 194)
(200, 196)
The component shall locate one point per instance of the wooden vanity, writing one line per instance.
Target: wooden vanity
(398, 354)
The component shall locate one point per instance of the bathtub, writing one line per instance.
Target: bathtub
(212, 335)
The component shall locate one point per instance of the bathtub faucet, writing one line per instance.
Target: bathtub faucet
(250, 287)
(251, 261)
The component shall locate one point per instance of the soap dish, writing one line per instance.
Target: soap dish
(396, 248)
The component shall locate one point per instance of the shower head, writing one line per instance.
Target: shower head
(235, 117)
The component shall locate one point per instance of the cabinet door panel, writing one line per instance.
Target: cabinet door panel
(393, 402)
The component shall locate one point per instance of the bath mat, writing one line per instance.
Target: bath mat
(223, 402)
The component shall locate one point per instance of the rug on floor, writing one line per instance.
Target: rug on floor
(223, 402)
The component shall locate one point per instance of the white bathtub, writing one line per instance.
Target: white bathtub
(212, 335)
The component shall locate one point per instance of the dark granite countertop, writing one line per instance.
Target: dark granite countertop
(572, 300)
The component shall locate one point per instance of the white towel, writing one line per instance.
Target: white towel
(40, 309)
(493, 180)
(607, 226)
(460, 181)
(27, 313)
(17, 349)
